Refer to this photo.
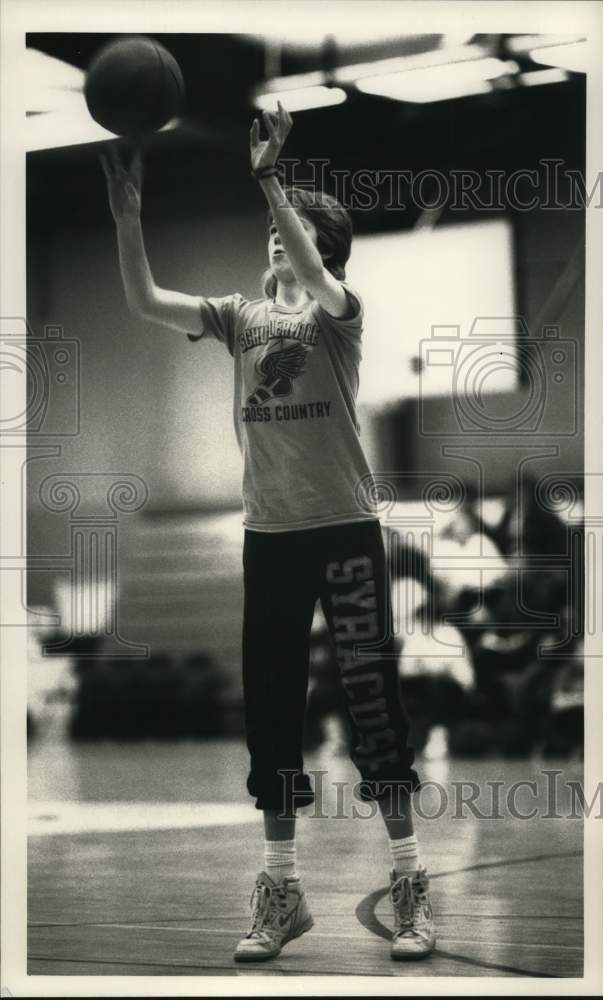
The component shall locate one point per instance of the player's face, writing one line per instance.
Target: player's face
(277, 256)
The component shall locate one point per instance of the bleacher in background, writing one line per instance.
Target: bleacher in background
(163, 661)
(181, 588)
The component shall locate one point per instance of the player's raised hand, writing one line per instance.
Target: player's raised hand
(265, 153)
(124, 185)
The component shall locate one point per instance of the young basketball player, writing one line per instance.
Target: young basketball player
(308, 535)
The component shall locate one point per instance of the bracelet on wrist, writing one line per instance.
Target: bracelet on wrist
(263, 172)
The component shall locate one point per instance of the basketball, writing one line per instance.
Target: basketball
(133, 86)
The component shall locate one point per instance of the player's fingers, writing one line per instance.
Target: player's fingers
(270, 125)
(284, 124)
(254, 135)
(284, 115)
(288, 119)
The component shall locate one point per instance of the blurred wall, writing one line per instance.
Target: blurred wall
(545, 242)
(152, 403)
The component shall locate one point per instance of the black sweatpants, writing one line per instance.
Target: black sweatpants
(285, 573)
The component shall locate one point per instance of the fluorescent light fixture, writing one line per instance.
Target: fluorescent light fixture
(439, 83)
(421, 92)
(54, 99)
(573, 57)
(69, 128)
(297, 81)
(539, 76)
(301, 98)
(311, 34)
(401, 64)
(455, 38)
(357, 71)
(50, 83)
(63, 128)
(525, 43)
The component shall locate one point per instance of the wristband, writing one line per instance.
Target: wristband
(264, 172)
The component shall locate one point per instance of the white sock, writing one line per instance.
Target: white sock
(279, 858)
(405, 855)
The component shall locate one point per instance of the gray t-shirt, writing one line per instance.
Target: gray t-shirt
(296, 381)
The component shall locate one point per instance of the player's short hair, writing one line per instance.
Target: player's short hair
(333, 226)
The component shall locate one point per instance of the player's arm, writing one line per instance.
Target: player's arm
(306, 262)
(175, 310)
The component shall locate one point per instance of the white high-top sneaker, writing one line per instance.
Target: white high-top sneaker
(279, 914)
(414, 932)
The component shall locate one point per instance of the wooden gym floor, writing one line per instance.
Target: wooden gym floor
(142, 860)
